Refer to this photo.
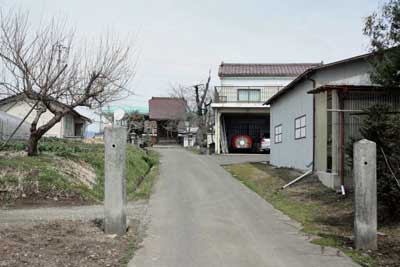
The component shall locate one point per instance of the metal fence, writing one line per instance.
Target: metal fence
(357, 102)
(244, 94)
(9, 123)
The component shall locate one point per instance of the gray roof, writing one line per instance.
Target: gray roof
(262, 70)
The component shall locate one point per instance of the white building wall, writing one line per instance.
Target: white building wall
(291, 152)
(244, 108)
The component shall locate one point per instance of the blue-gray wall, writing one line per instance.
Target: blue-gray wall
(295, 153)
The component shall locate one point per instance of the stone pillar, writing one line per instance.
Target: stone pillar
(365, 202)
(115, 179)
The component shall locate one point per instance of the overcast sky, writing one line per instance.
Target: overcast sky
(178, 41)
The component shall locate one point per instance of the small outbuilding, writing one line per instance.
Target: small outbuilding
(167, 112)
(316, 117)
(72, 125)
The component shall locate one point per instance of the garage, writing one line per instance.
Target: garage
(255, 126)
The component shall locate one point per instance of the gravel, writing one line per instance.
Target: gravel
(134, 210)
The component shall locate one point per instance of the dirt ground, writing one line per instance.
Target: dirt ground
(64, 243)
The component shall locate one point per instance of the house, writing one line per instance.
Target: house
(167, 112)
(72, 125)
(315, 118)
(238, 101)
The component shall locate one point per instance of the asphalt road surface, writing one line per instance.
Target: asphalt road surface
(201, 216)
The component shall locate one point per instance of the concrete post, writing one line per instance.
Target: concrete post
(365, 218)
(115, 179)
(335, 141)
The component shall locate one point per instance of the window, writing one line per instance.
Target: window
(278, 134)
(300, 127)
(68, 122)
(249, 95)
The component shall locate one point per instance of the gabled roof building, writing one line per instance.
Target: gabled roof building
(316, 117)
(238, 101)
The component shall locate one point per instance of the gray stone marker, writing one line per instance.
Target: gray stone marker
(365, 218)
(115, 180)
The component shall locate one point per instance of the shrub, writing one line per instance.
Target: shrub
(383, 128)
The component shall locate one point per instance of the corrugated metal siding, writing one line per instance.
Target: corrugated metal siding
(359, 101)
(291, 152)
(9, 123)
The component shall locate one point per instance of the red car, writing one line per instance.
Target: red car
(242, 142)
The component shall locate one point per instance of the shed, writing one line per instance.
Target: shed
(304, 129)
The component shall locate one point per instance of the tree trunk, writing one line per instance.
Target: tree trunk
(33, 144)
(37, 133)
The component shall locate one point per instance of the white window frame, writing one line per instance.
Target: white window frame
(300, 127)
(278, 134)
(248, 95)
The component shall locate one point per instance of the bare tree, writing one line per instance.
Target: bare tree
(198, 105)
(48, 68)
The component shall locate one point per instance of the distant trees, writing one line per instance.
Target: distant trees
(383, 30)
(198, 107)
(379, 124)
(47, 65)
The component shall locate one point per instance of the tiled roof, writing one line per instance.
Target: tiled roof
(260, 70)
(167, 108)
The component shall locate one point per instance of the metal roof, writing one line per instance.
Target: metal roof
(346, 87)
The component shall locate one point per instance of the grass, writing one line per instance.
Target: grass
(143, 190)
(323, 214)
(44, 169)
(41, 170)
(138, 165)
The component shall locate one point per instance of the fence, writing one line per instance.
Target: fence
(246, 94)
(358, 102)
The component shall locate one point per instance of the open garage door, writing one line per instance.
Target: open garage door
(254, 125)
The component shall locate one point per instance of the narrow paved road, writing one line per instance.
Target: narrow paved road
(201, 216)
